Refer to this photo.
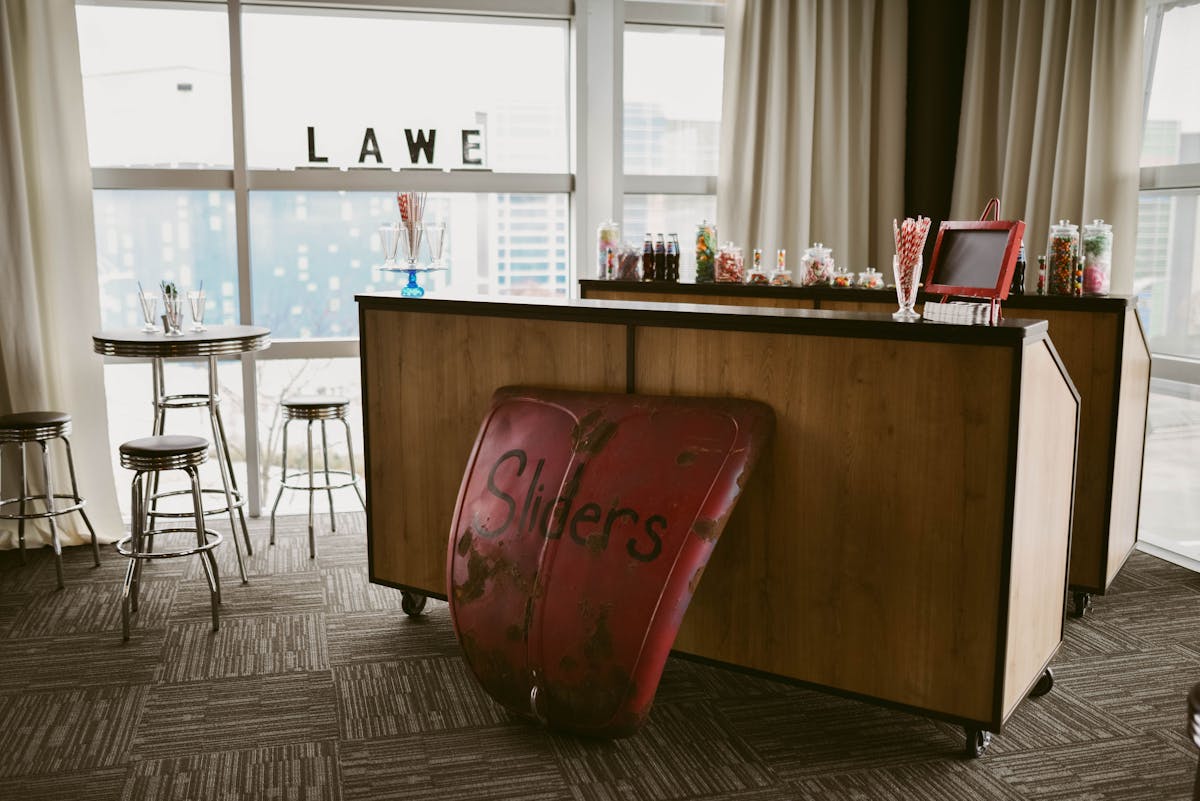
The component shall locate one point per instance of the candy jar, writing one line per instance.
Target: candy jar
(816, 267)
(1061, 255)
(1097, 257)
(706, 251)
(1041, 278)
(731, 265)
(627, 262)
(870, 279)
(608, 238)
(757, 274)
(843, 278)
(782, 276)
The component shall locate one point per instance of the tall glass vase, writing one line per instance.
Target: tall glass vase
(907, 279)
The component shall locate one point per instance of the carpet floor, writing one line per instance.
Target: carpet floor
(318, 687)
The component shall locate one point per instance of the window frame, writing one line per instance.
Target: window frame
(595, 183)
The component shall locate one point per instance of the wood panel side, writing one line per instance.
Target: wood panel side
(1130, 445)
(431, 377)
(667, 296)
(1087, 344)
(1041, 521)
(866, 552)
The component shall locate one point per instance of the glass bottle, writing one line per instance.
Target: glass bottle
(1097, 257)
(782, 276)
(648, 259)
(757, 274)
(1017, 287)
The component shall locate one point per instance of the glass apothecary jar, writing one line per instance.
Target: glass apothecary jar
(731, 264)
(1062, 252)
(1097, 257)
(608, 239)
(757, 274)
(782, 276)
(842, 278)
(816, 267)
(706, 252)
(870, 278)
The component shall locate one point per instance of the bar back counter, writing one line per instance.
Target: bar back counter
(1101, 342)
(904, 539)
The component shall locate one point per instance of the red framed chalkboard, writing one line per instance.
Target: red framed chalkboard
(975, 259)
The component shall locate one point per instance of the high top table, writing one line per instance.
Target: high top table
(218, 340)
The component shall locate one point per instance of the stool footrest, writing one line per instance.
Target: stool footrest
(211, 540)
(77, 503)
(239, 501)
(353, 479)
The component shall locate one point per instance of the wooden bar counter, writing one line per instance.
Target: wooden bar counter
(1101, 342)
(904, 540)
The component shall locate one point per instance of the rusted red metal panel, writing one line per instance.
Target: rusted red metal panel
(583, 525)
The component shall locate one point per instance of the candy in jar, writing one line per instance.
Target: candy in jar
(1041, 285)
(1097, 257)
(627, 262)
(706, 252)
(757, 274)
(816, 267)
(782, 276)
(843, 278)
(731, 266)
(870, 279)
(608, 237)
(1061, 255)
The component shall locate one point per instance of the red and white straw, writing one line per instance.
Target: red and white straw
(910, 243)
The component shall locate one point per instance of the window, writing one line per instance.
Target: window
(275, 204)
(1167, 278)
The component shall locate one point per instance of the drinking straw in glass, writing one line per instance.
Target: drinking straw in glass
(197, 302)
(149, 304)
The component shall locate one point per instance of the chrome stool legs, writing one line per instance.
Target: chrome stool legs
(311, 487)
(24, 501)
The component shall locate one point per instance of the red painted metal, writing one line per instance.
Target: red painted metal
(583, 525)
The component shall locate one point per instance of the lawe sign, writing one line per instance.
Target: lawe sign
(449, 147)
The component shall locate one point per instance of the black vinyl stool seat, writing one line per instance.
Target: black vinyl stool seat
(147, 457)
(316, 409)
(42, 427)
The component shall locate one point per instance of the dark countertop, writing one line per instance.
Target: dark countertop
(854, 295)
(814, 322)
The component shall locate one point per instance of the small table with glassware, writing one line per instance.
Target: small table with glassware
(215, 341)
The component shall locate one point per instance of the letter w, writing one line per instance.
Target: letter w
(420, 145)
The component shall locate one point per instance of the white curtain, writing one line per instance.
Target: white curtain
(812, 127)
(1052, 117)
(49, 295)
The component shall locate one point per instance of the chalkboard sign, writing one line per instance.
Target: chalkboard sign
(975, 259)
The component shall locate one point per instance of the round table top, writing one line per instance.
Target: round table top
(218, 340)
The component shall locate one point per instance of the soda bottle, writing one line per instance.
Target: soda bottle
(674, 262)
(1018, 280)
(647, 259)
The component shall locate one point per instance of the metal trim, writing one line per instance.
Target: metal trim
(44, 433)
(380, 179)
(181, 348)
(689, 15)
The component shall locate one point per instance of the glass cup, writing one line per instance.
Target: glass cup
(435, 240)
(907, 280)
(389, 238)
(173, 308)
(197, 303)
(410, 243)
(149, 304)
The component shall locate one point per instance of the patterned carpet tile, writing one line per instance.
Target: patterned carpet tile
(685, 750)
(288, 555)
(929, 781)
(495, 763)
(287, 593)
(80, 660)
(11, 606)
(349, 590)
(724, 683)
(385, 699)
(1143, 571)
(808, 733)
(1097, 636)
(237, 714)
(1145, 691)
(78, 568)
(69, 730)
(1141, 768)
(1163, 614)
(16, 577)
(298, 772)
(391, 635)
(91, 608)
(245, 646)
(104, 784)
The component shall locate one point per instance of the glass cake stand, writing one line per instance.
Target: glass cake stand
(412, 289)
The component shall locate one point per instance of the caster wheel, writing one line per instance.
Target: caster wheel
(1082, 604)
(978, 741)
(412, 603)
(1044, 684)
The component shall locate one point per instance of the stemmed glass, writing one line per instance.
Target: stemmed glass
(173, 308)
(149, 303)
(197, 302)
(389, 237)
(435, 240)
(411, 235)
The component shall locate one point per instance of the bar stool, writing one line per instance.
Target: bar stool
(316, 408)
(42, 427)
(147, 457)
